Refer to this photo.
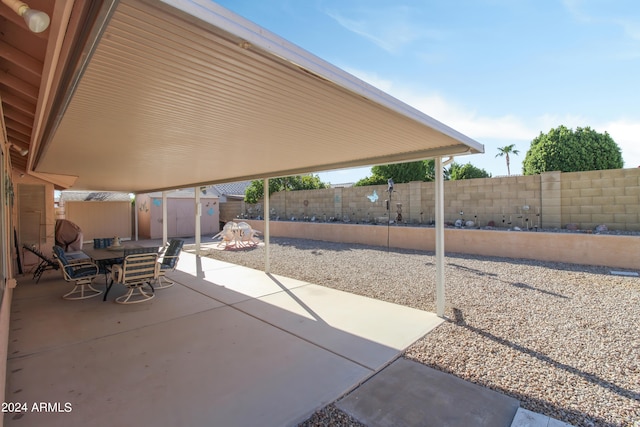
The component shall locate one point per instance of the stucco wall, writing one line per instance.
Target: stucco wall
(576, 248)
(100, 219)
(143, 203)
(48, 218)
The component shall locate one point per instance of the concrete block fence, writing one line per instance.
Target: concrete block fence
(548, 200)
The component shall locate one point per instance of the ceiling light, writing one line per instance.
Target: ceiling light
(23, 151)
(36, 20)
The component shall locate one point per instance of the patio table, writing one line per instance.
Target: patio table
(105, 258)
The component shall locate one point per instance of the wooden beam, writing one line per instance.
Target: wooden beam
(28, 108)
(17, 116)
(19, 85)
(21, 59)
(17, 126)
(18, 136)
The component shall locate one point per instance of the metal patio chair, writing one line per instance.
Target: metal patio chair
(79, 272)
(137, 273)
(168, 263)
(46, 263)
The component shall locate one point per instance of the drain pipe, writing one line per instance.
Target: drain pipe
(440, 294)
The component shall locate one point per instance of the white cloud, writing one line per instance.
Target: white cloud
(626, 133)
(470, 123)
(494, 131)
(390, 28)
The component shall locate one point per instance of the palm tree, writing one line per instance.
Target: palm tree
(504, 151)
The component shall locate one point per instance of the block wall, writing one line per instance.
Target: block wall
(549, 200)
(608, 197)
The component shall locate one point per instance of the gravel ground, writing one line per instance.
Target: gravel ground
(563, 339)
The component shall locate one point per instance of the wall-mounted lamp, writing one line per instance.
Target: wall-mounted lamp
(23, 151)
(36, 20)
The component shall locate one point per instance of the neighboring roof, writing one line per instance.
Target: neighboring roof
(93, 196)
(152, 98)
(231, 188)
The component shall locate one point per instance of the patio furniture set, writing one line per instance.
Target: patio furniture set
(141, 270)
(237, 235)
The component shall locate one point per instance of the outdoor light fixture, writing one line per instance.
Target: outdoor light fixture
(36, 20)
(23, 151)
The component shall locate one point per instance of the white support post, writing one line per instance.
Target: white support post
(135, 215)
(198, 215)
(440, 294)
(165, 232)
(266, 210)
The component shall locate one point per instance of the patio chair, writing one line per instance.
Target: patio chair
(81, 273)
(137, 273)
(46, 263)
(169, 263)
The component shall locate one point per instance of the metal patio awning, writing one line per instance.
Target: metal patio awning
(179, 93)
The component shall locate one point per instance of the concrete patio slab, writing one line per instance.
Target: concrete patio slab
(48, 321)
(368, 331)
(255, 350)
(407, 393)
(218, 367)
(226, 282)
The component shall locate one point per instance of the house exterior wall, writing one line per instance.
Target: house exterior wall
(48, 221)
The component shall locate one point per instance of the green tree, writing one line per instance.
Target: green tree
(467, 171)
(401, 172)
(255, 191)
(423, 170)
(504, 151)
(431, 171)
(565, 150)
(371, 180)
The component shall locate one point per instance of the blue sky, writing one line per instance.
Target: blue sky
(499, 71)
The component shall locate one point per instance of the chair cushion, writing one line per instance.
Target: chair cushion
(170, 255)
(63, 259)
(83, 272)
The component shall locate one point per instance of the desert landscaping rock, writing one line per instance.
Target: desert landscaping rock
(563, 339)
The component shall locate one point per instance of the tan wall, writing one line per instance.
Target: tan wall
(100, 219)
(576, 248)
(49, 221)
(554, 199)
(143, 203)
(231, 209)
(610, 197)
